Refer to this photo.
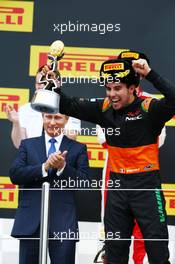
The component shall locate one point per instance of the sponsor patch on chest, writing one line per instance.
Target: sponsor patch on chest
(135, 115)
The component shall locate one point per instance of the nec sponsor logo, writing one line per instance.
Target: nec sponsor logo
(133, 118)
(16, 16)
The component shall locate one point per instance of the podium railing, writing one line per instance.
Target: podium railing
(44, 227)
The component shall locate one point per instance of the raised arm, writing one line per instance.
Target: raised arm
(160, 110)
(81, 108)
(17, 133)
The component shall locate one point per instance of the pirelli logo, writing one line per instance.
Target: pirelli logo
(130, 54)
(114, 66)
(170, 198)
(16, 16)
(96, 153)
(8, 193)
(76, 62)
(14, 97)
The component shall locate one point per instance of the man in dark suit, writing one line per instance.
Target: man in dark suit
(59, 160)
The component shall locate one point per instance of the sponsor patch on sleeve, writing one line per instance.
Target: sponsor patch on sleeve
(106, 104)
(146, 103)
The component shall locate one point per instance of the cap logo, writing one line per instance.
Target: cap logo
(114, 66)
(105, 75)
(117, 74)
(122, 74)
(130, 54)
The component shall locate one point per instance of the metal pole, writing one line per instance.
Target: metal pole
(43, 249)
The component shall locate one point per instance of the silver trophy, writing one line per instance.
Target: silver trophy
(47, 99)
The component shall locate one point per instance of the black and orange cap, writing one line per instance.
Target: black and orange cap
(132, 55)
(119, 71)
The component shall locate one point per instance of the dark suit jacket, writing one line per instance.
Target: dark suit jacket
(26, 171)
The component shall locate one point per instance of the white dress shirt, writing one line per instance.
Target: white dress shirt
(57, 143)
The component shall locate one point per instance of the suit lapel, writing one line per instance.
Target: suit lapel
(40, 147)
(65, 144)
